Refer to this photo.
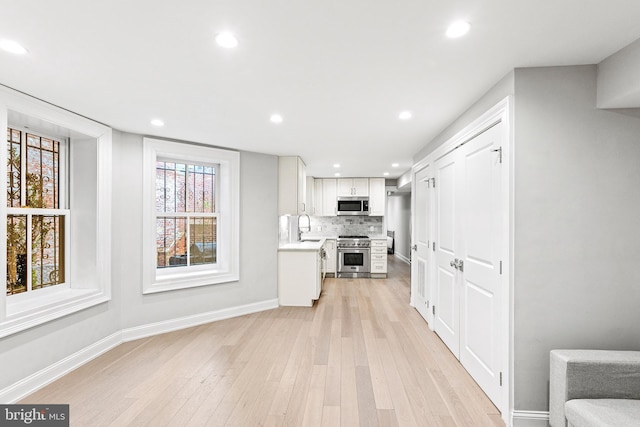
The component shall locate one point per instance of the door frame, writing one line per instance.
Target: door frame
(414, 227)
(501, 112)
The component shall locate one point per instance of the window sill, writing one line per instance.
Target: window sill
(49, 306)
(193, 280)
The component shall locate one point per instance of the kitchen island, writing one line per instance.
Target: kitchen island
(300, 272)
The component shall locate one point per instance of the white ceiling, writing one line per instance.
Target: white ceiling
(339, 72)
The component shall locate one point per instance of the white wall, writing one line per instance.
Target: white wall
(29, 351)
(399, 220)
(577, 204)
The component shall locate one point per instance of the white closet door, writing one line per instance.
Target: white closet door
(480, 251)
(421, 250)
(447, 289)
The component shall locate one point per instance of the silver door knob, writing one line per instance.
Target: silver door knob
(454, 264)
(414, 247)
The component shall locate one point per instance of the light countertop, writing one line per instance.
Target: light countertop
(303, 245)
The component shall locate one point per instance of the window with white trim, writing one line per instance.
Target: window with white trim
(191, 206)
(56, 219)
(36, 212)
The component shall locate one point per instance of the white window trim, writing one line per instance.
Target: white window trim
(45, 305)
(226, 269)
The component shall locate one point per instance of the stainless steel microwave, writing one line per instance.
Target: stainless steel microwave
(353, 205)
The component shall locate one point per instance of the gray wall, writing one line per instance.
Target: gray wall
(399, 220)
(34, 349)
(577, 204)
(497, 93)
(258, 241)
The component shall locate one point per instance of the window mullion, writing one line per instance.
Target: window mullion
(188, 228)
(29, 251)
(23, 168)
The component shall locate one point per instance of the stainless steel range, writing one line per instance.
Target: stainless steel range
(354, 256)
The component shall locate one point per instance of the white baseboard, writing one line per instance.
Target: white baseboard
(36, 381)
(530, 419)
(171, 325)
(402, 258)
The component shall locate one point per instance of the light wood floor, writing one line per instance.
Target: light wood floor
(361, 356)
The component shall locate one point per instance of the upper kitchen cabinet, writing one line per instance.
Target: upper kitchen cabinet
(329, 196)
(377, 197)
(353, 187)
(311, 206)
(292, 186)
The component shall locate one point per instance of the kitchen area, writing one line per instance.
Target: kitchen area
(328, 227)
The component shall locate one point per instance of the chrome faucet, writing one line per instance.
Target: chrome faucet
(308, 227)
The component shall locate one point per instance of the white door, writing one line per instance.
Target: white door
(447, 229)
(481, 253)
(468, 254)
(420, 254)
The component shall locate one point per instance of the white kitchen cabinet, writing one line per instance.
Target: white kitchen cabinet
(299, 277)
(292, 184)
(331, 260)
(310, 206)
(329, 196)
(318, 198)
(378, 258)
(377, 197)
(353, 187)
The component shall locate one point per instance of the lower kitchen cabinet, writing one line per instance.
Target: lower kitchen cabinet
(378, 258)
(331, 260)
(299, 277)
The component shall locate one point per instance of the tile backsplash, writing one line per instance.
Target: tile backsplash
(350, 225)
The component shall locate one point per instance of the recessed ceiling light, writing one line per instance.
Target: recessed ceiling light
(276, 118)
(157, 122)
(386, 174)
(458, 29)
(336, 174)
(12, 47)
(336, 165)
(227, 40)
(405, 115)
(395, 165)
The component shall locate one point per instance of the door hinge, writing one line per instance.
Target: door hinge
(499, 151)
(500, 379)
(433, 307)
(434, 246)
(433, 182)
(500, 267)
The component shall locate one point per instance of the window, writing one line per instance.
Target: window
(56, 219)
(35, 221)
(191, 205)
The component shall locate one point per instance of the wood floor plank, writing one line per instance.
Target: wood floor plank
(361, 356)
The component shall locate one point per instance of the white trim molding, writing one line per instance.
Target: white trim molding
(530, 418)
(171, 325)
(43, 377)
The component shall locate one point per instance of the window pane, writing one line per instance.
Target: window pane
(13, 168)
(42, 173)
(171, 242)
(170, 187)
(203, 237)
(47, 245)
(16, 254)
